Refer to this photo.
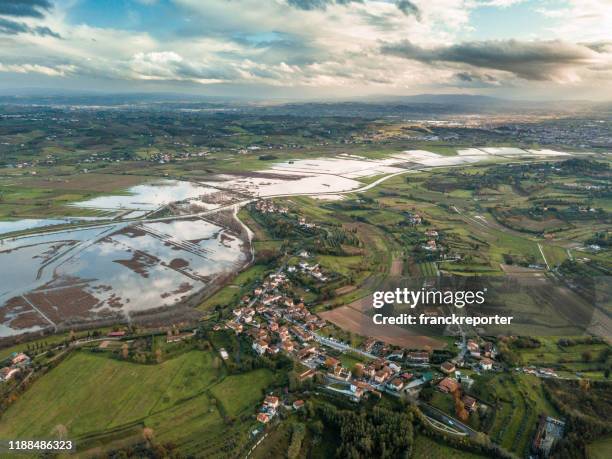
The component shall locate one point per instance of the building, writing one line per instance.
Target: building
(342, 373)
(447, 367)
(469, 403)
(489, 349)
(474, 348)
(549, 431)
(382, 375)
(260, 347)
(331, 363)
(486, 364)
(179, 337)
(19, 359)
(396, 384)
(368, 344)
(418, 357)
(116, 334)
(8, 373)
(298, 404)
(264, 418)
(288, 345)
(271, 401)
(448, 385)
(306, 375)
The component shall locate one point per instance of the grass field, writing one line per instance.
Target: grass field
(238, 392)
(601, 449)
(520, 401)
(427, 448)
(124, 392)
(98, 400)
(230, 293)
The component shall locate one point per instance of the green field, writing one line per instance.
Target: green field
(520, 400)
(601, 449)
(98, 401)
(239, 392)
(427, 448)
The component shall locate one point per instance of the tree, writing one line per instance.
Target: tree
(460, 410)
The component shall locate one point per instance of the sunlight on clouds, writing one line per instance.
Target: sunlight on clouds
(402, 46)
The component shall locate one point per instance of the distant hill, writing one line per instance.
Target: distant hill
(421, 105)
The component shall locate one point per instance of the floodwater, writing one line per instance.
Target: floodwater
(115, 269)
(149, 196)
(33, 223)
(109, 272)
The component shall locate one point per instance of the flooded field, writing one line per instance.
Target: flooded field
(34, 223)
(71, 277)
(132, 264)
(149, 197)
(342, 173)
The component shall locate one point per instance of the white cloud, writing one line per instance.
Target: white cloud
(270, 42)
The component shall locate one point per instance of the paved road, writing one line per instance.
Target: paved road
(444, 418)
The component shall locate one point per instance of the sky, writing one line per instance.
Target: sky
(322, 49)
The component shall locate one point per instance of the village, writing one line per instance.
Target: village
(276, 323)
(15, 364)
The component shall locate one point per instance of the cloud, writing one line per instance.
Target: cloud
(61, 70)
(25, 8)
(408, 8)
(537, 60)
(9, 27)
(339, 46)
(309, 5)
(599, 46)
(170, 66)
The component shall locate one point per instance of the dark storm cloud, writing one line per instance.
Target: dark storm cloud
(408, 8)
(529, 60)
(25, 8)
(8, 27)
(309, 5)
(464, 76)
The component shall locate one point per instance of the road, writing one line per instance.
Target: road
(445, 419)
(341, 346)
(543, 256)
